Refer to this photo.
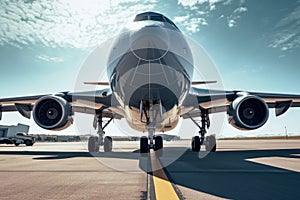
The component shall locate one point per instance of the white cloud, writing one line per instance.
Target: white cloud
(207, 8)
(227, 2)
(85, 24)
(69, 23)
(283, 39)
(240, 10)
(212, 7)
(235, 16)
(231, 23)
(181, 19)
(286, 34)
(192, 3)
(221, 17)
(50, 59)
(192, 25)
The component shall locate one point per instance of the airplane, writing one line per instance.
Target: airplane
(150, 70)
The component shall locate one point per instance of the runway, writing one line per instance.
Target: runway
(240, 169)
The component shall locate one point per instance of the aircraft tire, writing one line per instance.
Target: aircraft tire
(196, 144)
(211, 144)
(158, 147)
(92, 144)
(158, 142)
(144, 147)
(107, 144)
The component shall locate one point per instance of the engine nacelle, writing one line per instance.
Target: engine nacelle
(52, 113)
(248, 112)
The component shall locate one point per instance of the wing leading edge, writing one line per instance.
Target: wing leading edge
(219, 101)
(83, 102)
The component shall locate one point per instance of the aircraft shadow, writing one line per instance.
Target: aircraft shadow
(53, 155)
(230, 175)
(225, 174)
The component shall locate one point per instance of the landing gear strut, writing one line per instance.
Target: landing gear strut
(152, 110)
(95, 142)
(208, 141)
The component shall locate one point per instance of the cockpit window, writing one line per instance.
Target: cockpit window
(149, 16)
(155, 17)
(141, 18)
(169, 21)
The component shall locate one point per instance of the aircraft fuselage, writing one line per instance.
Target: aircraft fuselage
(150, 68)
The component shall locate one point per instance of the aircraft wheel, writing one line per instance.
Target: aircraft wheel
(144, 147)
(92, 144)
(196, 144)
(158, 143)
(158, 147)
(107, 144)
(210, 144)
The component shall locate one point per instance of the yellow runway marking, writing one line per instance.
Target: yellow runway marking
(162, 186)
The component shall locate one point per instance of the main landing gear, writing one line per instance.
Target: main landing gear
(95, 142)
(208, 141)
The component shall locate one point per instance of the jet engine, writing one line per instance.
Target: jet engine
(52, 113)
(248, 112)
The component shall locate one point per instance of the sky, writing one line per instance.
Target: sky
(255, 45)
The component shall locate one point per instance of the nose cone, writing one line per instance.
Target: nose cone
(149, 43)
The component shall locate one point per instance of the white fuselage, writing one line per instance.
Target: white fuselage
(150, 67)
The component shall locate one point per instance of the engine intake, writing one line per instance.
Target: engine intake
(248, 112)
(52, 113)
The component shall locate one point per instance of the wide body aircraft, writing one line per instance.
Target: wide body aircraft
(150, 70)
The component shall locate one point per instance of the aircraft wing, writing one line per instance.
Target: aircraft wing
(219, 101)
(83, 102)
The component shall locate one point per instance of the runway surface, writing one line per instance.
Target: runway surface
(240, 169)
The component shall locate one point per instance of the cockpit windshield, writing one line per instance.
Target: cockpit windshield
(153, 16)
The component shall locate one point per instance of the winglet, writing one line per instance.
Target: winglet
(202, 82)
(97, 83)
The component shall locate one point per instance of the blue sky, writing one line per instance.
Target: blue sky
(255, 44)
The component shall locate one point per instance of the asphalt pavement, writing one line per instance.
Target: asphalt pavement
(240, 169)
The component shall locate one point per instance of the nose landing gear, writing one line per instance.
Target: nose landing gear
(152, 109)
(154, 142)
